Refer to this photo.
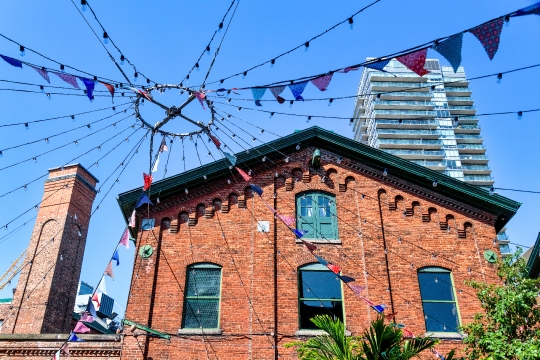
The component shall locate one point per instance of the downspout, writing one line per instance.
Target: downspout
(276, 355)
(386, 257)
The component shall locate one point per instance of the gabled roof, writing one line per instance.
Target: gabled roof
(533, 263)
(500, 206)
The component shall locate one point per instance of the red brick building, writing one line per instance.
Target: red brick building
(228, 280)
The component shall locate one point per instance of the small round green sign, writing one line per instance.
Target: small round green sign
(146, 251)
(490, 256)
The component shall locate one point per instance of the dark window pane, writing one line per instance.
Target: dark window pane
(201, 313)
(309, 309)
(319, 284)
(435, 286)
(441, 315)
(203, 282)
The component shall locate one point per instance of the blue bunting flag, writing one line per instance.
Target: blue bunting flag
(143, 200)
(89, 83)
(258, 93)
(451, 50)
(379, 65)
(299, 232)
(257, 189)
(297, 89)
(230, 157)
(531, 9)
(379, 308)
(12, 61)
(116, 257)
(74, 338)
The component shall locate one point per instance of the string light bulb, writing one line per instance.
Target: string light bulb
(400, 121)
(455, 122)
(491, 190)
(61, 257)
(264, 159)
(48, 96)
(240, 108)
(122, 59)
(351, 23)
(105, 37)
(26, 126)
(47, 141)
(208, 50)
(499, 78)
(330, 101)
(42, 88)
(272, 62)
(306, 46)
(308, 119)
(520, 115)
(298, 146)
(507, 21)
(62, 69)
(220, 27)
(83, 5)
(271, 115)
(21, 49)
(385, 172)
(351, 122)
(435, 183)
(244, 75)
(196, 67)
(291, 103)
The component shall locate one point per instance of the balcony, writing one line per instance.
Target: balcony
(407, 134)
(418, 154)
(402, 77)
(457, 91)
(407, 124)
(471, 149)
(405, 105)
(480, 180)
(433, 165)
(404, 114)
(475, 169)
(407, 95)
(467, 129)
(468, 120)
(457, 83)
(398, 86)
(473, 159)
(462, 110)
(409, 144)
(459, 100)
(469, 139)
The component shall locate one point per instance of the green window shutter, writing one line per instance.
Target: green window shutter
(202, 297)
(306, 211)
(315, 213)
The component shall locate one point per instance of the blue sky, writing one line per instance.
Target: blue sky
(164, 39)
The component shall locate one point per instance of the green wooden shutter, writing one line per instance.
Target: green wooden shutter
(314, 215)
(306, 210)
(326, 224)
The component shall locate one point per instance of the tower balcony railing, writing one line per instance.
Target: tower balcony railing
(410, 142)
(417, 152)
(405, 112)
(468, 136)
(459, 98)
(397, 84)
(473, 157)
(403, 93)
(461, 107)
(409, 132)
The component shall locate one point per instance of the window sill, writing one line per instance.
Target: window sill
(445, 335)
(315, 333)
(200, 332)
(320, 241)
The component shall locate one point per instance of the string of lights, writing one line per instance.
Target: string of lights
(304, 45)
(524, 191)
(207, 49)
(75, 142)
(107, 38)
(47, 138)
(51, 86)
(69, 162)
(247, 122)
(64, 116)
(16, 230)
(49, 94)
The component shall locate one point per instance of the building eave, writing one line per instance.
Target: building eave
(533, 264)
(501, 207)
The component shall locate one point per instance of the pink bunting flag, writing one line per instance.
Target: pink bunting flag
(65, 349)
(95, 296)
(86, 317)
(200, 96)
(215, 140)
(270, 208)
(243, 174)
(80, 328)
(311, 247)
(287, 220)
(125, 239)
(408, 334)
(146, 95)
(109, 87)
(347, 69)
(370, 303)
(44, 74)
(489, 34)
(322, 82)
(357, 289)
(276, 90)
(108, 270)
(70, 79)
(132, 219)
(334, 268)
(415, 61)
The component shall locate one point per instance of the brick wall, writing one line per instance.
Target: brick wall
(46, 290)
(260, 268)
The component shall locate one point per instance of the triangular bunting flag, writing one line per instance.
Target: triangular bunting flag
(80, 328)
(57, 355)
(334, 268)
(379, 308)
(346, 279)
(90, 308)
(125, 239)
(44, 74)
(215, 140)
(322, 82)
(147, 181)
(390, 316)
(415, 61)
(70, 79)
(143, 200)
(243, 174)
(379, 65)
(299, 232)
(102, 285)
(297, 89)
(108, 270)
(451, 50)
(109, 87)
(408, 334)
(86, 317)
(357, 289)
(311, 247)
(531, 9)
(156, 163)
(200, 96)
(489, 34)
(230, 157)
(257, 189)
(276, 90)
(271, 208)
(132, 219)
(287, 220)
(65, 349)
(347, 69)
(258, 93)
(370, 303)
(116, 257)
(12, 61)
(146, 95)
(163, 147)
(90, 84)
(95, 297)
(74, 338)
(321, 260)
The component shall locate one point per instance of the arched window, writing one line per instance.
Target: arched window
(319, 293)
(438, 299)
(315, 213)
(202, 296)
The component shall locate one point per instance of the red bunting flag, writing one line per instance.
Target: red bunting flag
(311, 247)
(287, 220)
(322, 82)
(243, 174)
(276, 90)
(147, 181)
(95, 297)
(200, 96)
(390, 316)
(80, 328)
(334, 268)
(489, 34)
(357, 289)
(370, 303)
(108, 270)
(215, 140)
(146, 95)
(109, 87)
(408, 334)
(125, 239)
(415, 61)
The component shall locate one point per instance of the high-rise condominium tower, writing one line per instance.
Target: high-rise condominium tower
(429, 120)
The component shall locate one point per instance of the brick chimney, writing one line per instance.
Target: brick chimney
(47, 287)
